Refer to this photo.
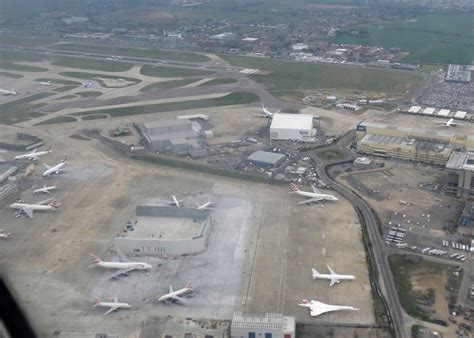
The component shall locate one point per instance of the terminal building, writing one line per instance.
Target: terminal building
(271, 325)
(413, 144)
(295, 127)
(460, 168)
(170, 231)
(466, 221)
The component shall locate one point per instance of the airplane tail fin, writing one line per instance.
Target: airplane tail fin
(315, 273)
(305, 301)
(54, 203)
(293, 187)
(95, 260)
(96, 301)
(189, 286)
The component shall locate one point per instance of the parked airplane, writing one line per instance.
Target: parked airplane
(450, 123)
(268, 114)
(55, 169)
(314, 196)
(8, 92)
(176, 201)
(87, 84)
(115, 305)
(49, 204)
(206, 206)
(4, 234)
(334, 277)
(34, 155)
(124, 267)
(45, 83)
(177, 295)
(45, 189)
(318, 308)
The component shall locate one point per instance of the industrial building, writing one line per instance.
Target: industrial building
(296, 127)
(162, 230)
(6, 171)
(265, 159)
(179, 136)
(420, 145)
(460, 168)
(271, 325)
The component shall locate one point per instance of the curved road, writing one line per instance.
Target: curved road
(379, 256)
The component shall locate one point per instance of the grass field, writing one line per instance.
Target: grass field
(96, 77)
(12, 75)
(329, 155)
(19, 56)
(167, 85)
(59, 81)
(93, 117)
(65, 97)
(160, 71)
(401, 270)
(216, 82)
(230, 99)
(92, 64)
(445, 38)
(17, 104)
(18, 116)
(64, 89)
(21, 68)
(133, 52)
(89, 94)
(25, 41)
(57, 119)
(289, 76)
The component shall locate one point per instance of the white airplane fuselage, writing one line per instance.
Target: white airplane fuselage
(44, 190)
(8, 92)
(315, 195)
(124, 265)
(330, 277)
(54, 169)
(177, 293)
(319, 308)
(31, 156)
(113, 304)
(32, 206)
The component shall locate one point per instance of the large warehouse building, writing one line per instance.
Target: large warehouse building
(296, 127)
(420, 145)
(179, 136)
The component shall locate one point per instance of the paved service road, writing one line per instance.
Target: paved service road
(380, 257)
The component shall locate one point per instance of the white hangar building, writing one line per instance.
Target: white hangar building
(296, 127)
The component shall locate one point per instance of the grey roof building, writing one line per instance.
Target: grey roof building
(266, 159)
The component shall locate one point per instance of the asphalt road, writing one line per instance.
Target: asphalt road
(380, 256)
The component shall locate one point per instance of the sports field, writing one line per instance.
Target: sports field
(429, 38)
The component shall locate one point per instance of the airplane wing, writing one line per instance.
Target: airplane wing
(46, 201)
(47, 166)
(177, 299)
(311, 200)
(119, 273)
(331, 271)
(315, 190)
(113, 308)
(333, 281)
(28, 212)
(122, 257)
